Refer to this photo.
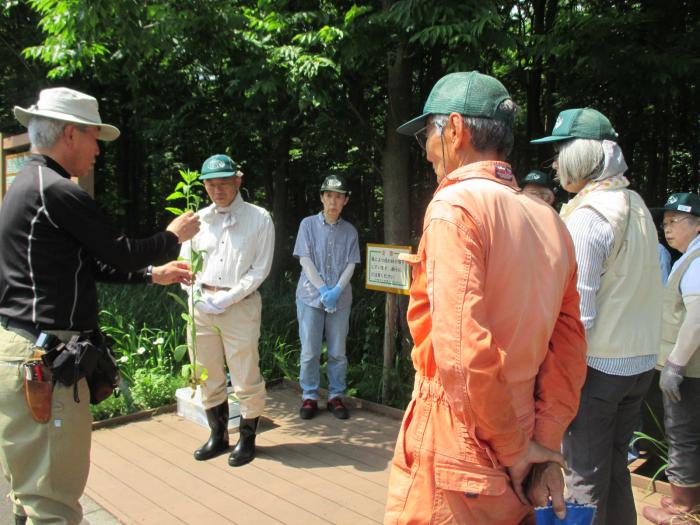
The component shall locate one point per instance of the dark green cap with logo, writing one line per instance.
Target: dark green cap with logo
(538, 177)
(685, 202)
(471, 94)
(580, 123)
(335, 183)
(218, 166)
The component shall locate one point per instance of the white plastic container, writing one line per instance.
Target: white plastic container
(191, 407)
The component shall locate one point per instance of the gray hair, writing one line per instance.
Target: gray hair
(580, 159)
(44, 132)
(488, 133)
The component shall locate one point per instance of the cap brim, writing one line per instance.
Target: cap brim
(552, 138)
(107, 132)
(218, 175)
(413, 125)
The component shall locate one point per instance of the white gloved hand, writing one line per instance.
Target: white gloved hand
(222, 299)
(206, 306)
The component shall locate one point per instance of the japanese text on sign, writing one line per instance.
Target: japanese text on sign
(385, 272)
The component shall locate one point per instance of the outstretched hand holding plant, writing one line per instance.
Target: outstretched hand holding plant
(193, 373)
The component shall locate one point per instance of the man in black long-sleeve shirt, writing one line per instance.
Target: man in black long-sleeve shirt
(55, 245)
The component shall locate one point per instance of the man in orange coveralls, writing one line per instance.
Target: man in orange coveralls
(494, 313)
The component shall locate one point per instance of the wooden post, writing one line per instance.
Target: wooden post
(390, 316)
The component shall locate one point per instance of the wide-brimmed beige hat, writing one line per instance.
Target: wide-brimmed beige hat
(67, 105)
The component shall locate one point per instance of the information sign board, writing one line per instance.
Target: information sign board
(385, 272)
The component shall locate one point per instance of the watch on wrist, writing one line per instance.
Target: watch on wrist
(149, 274)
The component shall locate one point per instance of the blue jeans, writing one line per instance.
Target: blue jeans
(313, 322)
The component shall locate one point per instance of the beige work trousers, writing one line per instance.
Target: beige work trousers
(46, 464)
(231, 339)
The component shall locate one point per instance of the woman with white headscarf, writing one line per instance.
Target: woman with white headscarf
(619, 281)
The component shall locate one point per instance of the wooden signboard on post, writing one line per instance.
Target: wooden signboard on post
(14, 153)
(387, 273)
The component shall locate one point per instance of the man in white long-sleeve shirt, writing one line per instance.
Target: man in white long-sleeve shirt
(237, 239)
(328, 252)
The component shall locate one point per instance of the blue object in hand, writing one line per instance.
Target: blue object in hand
(575, 515)
(333, 295)
(324, 291)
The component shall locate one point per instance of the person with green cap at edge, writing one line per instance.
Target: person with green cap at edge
(56, 245)
(679, 362)
(539, 184)
(499, 359)
(237, 239)
(619, 281)
(328, 251)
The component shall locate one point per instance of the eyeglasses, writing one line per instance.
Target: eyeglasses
(671, 222)
(219, 184)
(544, 194)
(422, 134)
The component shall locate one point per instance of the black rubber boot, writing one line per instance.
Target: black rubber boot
(244, 452)
(217, 418)
(20, 520)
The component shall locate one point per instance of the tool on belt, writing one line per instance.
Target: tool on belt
(38, 389)
(84, 355)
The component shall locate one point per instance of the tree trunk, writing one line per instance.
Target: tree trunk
(279, 204)
(395, 169)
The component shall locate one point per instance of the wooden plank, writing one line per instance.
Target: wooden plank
(339, 456)
(158, 488)
(280, 481)
(123, 502)
(278, 501)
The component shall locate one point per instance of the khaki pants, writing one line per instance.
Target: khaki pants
(46, 464)
(232, 339)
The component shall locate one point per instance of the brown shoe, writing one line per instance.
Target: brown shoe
(337, 408)
(308, 409)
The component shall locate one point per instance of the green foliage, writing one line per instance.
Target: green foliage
(154, 388)
(293, 90)
(659, 446)
(113, 406)
(141, 347)
(186, 189)
(193, 374)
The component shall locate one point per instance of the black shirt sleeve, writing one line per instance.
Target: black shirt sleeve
(75, 212)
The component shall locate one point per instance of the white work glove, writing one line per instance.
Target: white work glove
(222, 299)
(206, 306)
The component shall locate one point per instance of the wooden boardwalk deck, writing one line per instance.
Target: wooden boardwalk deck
(322, 471)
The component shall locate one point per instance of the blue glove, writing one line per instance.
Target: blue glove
(330, 299)
(672, 376)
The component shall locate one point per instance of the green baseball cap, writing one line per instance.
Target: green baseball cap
(335, 183)
(218, 166)
(580, 123)
(471, 94)
(538, 177)
(686, 202)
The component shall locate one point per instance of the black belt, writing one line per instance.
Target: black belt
(16, 324)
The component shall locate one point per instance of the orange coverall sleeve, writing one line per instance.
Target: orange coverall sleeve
(469, 361)
(562, 374)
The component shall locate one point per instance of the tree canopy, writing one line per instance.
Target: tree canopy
(296, 89)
